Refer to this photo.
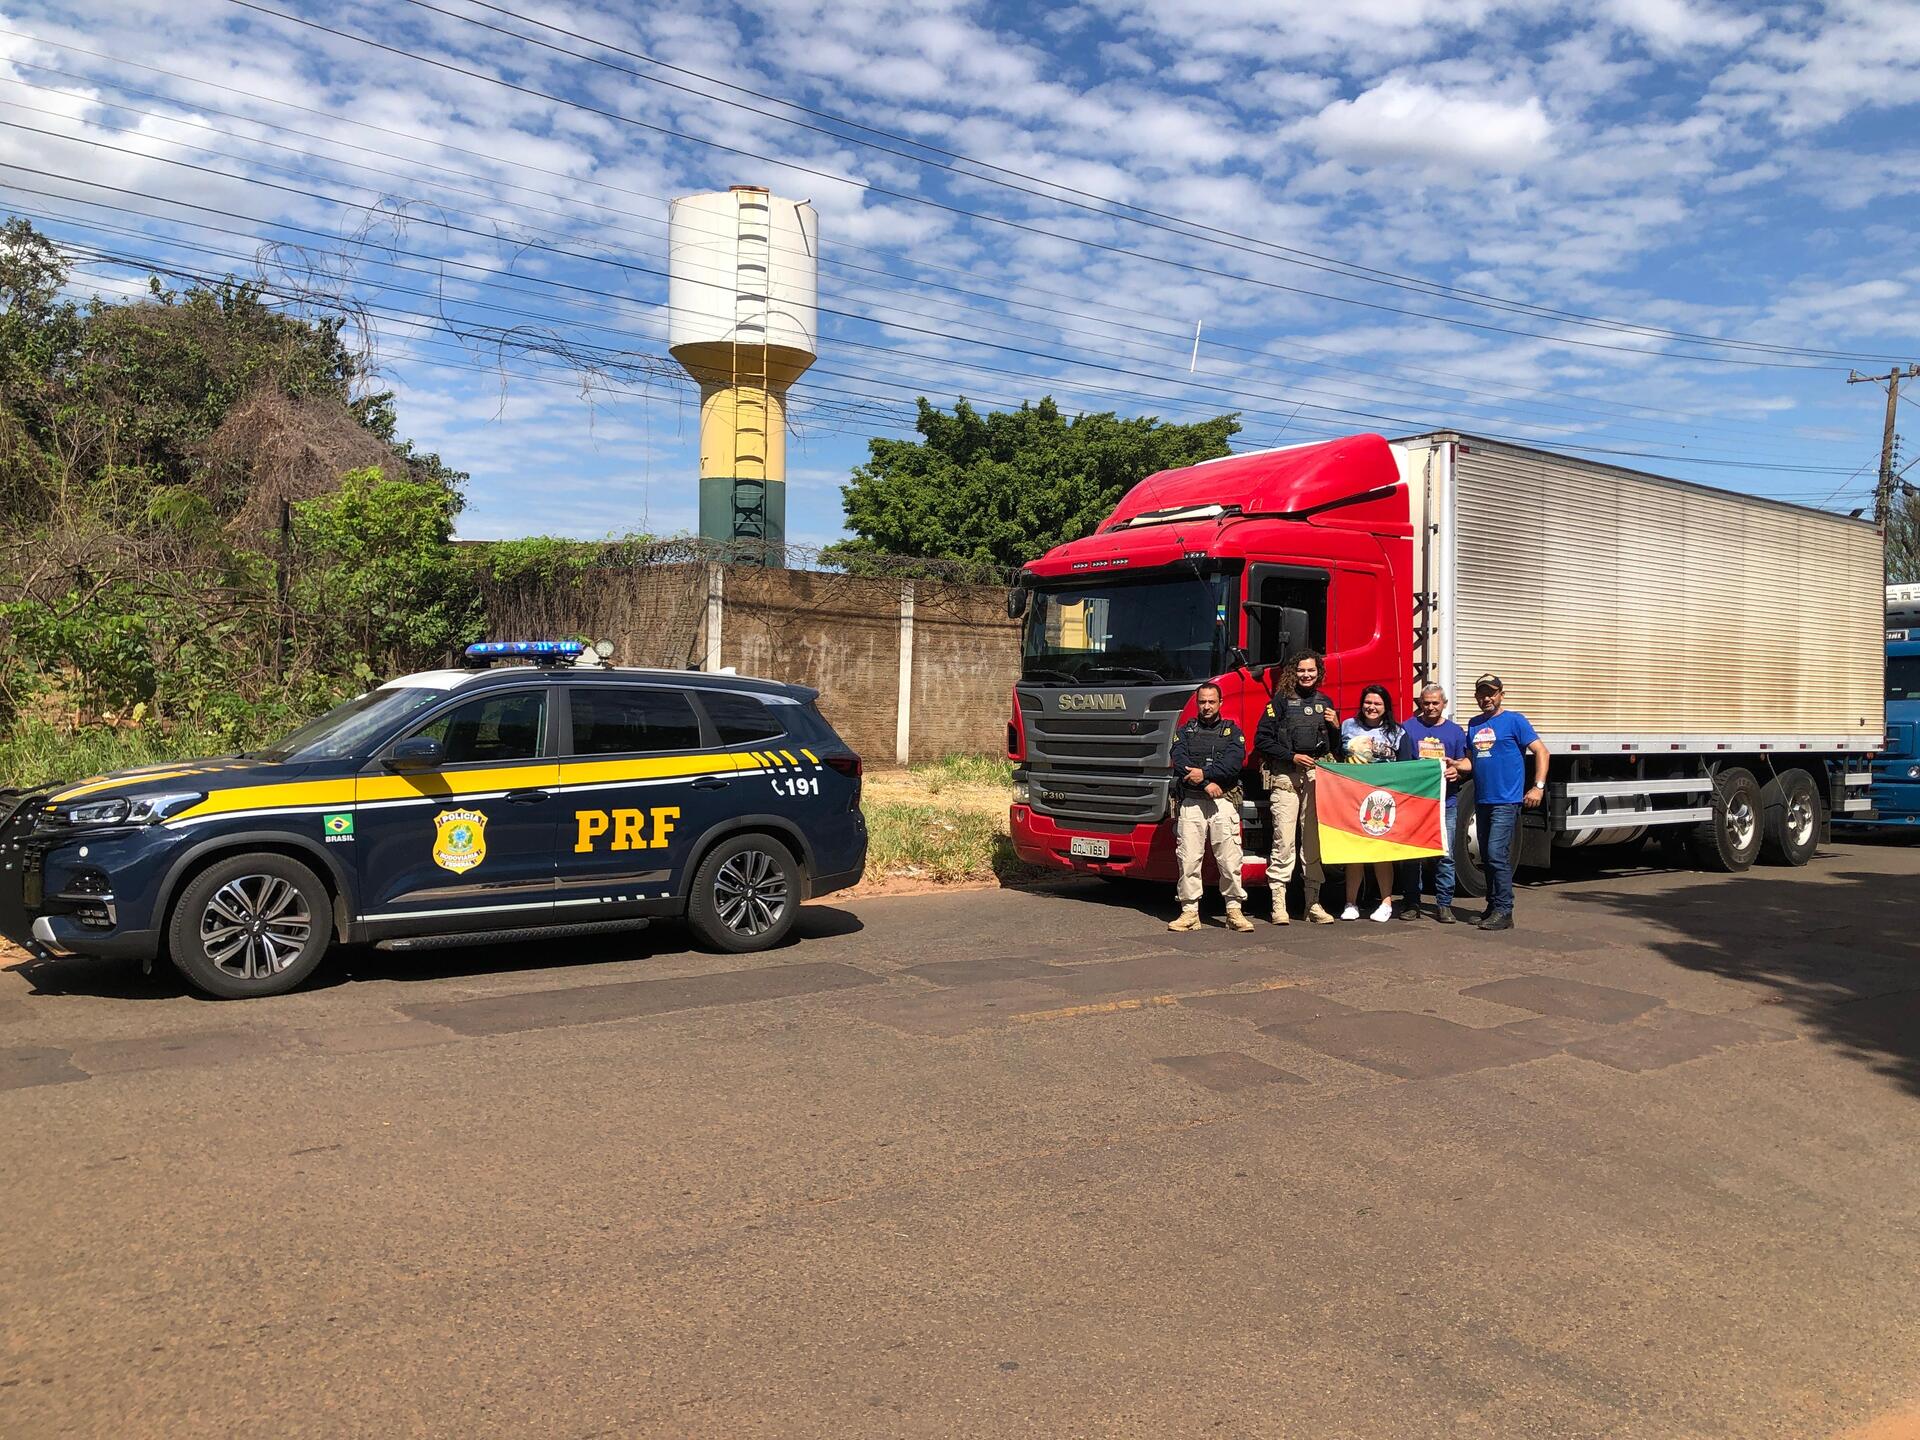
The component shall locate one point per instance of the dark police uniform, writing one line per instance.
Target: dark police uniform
(1295, 725)
(1201, 821)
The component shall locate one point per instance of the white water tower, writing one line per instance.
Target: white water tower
(742, 320)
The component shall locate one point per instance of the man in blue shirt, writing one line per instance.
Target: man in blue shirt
(1502, 741)
(1429, 735)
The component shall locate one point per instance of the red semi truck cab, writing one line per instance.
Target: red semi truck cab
(1218, 571)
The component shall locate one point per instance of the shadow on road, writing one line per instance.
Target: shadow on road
(1839, 945)
(125, 980)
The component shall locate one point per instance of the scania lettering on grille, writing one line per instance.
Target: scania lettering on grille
(1093, 702)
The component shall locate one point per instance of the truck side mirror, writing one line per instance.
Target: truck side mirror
(1017, 602)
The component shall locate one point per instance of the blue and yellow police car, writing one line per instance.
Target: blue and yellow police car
(550, 795)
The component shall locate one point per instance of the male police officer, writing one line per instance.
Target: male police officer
(1208, 754)
(1298, 729)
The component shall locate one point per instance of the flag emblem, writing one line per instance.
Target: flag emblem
(1376, 813)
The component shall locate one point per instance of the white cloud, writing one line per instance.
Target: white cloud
(1403, 120)
(1679, 26)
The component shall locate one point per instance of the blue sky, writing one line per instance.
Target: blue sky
(1695, 169)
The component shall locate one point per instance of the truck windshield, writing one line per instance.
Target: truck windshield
(1903, 677)
(350, 728)
(1168, 627)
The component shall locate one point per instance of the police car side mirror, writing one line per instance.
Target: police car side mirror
(416, 752)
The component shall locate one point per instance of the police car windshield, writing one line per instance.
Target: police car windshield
(352, 728)
(1114, 631)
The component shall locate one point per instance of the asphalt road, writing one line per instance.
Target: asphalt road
(997, 1164)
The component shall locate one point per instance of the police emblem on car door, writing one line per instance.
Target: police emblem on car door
(457, 820)
(460, 840)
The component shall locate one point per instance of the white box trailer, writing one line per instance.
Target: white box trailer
(1657, 633)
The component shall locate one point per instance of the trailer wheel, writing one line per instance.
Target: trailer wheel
(1792, 807)
(1468, 878)
(1730, 841)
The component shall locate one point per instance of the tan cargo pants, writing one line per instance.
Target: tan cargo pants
(1296, 834)
(1204, 823)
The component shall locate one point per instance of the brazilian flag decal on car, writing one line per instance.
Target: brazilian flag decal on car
(337, 827)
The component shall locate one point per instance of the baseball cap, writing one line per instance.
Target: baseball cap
(1488, 681)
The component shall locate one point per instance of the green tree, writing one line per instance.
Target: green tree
(39, 337)
(1903, 535)
(146, 449)
(990, 492)
(378, 578)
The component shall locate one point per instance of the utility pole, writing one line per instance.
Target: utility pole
(1883, 492)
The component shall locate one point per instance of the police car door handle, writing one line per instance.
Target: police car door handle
(525, 797)
(710, 782)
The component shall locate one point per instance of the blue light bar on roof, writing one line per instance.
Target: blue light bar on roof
(527, 649)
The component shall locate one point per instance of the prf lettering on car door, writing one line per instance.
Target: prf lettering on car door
(624, 829)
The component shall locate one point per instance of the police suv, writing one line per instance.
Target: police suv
(559, 796)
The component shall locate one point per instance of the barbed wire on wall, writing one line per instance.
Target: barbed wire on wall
(842, 559)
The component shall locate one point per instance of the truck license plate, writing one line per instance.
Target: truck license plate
(1092, 849)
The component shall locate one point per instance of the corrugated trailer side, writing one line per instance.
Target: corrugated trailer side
(1618, 604)
(1704, 666)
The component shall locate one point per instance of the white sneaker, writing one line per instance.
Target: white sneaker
(1352, 912)
(1383, 911)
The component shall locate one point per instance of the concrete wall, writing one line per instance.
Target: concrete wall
(859, 642)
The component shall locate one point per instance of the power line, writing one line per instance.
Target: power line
(1160, 400)
(1106, 206)
(1494, 405)
(912, 260)
(866, 412)
(1390, 420)
(1369, 415)
(1001, 220)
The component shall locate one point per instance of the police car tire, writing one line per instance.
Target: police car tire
(1792, 803)
(189, 953)
(1730, 841)
(704, 904)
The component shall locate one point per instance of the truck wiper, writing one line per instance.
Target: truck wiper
(1036, 673)
(1151, 676)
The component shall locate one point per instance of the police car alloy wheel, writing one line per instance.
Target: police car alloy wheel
(251, 925)
(745, 895)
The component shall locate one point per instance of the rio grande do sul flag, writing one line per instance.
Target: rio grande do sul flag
(1387, 811)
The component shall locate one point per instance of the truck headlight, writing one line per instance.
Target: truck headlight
(147, 810)
(1020, 792)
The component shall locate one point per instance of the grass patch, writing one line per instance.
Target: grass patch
(33, 752)
(943, 821)
(967, 771)
(927, 842)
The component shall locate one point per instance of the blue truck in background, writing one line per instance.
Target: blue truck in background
(1896, 770)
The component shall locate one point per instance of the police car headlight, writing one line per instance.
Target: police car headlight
(145, 811)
